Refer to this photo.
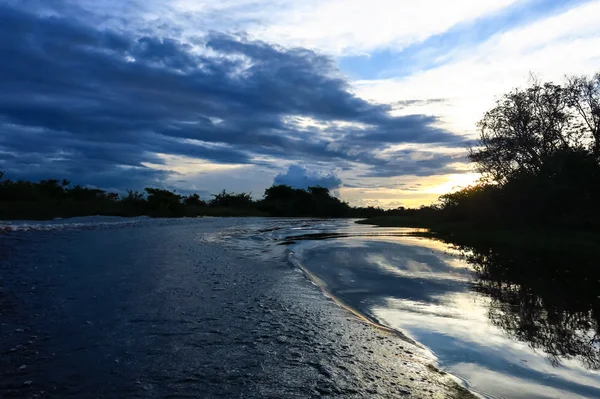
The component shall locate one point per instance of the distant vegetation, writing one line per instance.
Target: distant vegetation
(48, 199)
(539, 155)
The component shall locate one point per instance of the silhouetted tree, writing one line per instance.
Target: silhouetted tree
(583, 95)
(236, 200)
(539, 154)
(193, 200)
(52, 198)
(164, 202)
(133, 197)
(282, 200)
(522, 131)
(134, 203)
(50, 188)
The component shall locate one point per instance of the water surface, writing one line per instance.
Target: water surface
(508, 324)
(514, 325)
(112, 307)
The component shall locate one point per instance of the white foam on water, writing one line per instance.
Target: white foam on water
(87, 222)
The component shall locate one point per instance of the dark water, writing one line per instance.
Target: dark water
(155, 308)
(508, 324)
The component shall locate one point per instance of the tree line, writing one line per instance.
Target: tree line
(47, 199)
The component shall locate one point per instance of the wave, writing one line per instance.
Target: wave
(86, 222)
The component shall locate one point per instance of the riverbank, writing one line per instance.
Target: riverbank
(162, 307)
(531, 239)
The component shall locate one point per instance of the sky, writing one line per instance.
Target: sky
(376, 100)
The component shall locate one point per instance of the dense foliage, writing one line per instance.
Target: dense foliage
(284, 200)
(539, 155)
(48, 199)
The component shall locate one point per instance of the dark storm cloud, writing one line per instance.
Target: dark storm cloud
(416, 163)
(88, 104)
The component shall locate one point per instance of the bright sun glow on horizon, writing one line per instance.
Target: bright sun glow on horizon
(454, 182)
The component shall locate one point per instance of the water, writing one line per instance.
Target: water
(508, 324)
(514, 325)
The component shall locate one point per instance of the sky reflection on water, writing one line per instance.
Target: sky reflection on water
(481, 326)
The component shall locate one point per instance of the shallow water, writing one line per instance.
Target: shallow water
(513, 325)
(508, 325)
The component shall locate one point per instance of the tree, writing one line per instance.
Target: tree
(164, 202)
(79, 193)
(50, 188)
(280, 192)
(521, 131)
(193, 200)
(540, 147)
(583, 94)
(134, 202)
(235, 200)
(527, 128)
(319, 191)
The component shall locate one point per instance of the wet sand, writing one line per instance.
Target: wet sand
(157, 310)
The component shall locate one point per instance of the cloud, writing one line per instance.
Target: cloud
(428, 101)
(342, 26)
(98, 105)
(124, 94)
(299, 177)
(415, 163)
(470, 74)
(337, 27)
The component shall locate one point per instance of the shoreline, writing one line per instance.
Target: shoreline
(517, 238)
(355, 312)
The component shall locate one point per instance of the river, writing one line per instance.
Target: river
(506, 324)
